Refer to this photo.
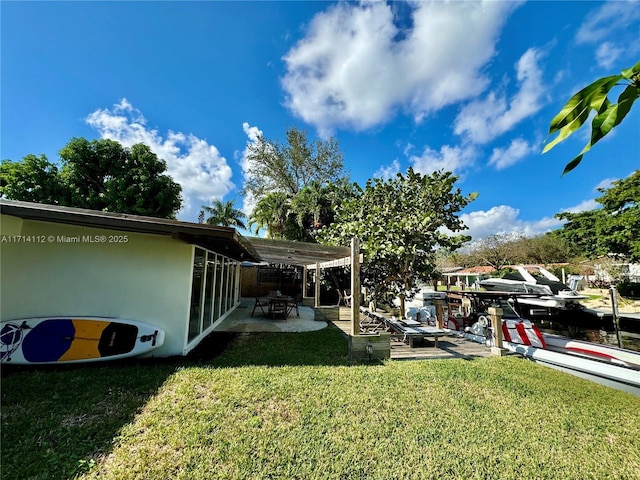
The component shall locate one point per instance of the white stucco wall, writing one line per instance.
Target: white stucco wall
(148, 278)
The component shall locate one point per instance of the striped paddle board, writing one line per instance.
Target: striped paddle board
(75, 339)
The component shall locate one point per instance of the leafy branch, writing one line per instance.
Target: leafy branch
(594, 97)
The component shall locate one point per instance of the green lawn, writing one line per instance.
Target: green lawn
(292, 406)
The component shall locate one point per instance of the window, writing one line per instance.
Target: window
(207, 320)
(213, 290)
(225, 287)
(196, 293)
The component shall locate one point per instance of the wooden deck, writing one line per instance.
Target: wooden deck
(448, 347)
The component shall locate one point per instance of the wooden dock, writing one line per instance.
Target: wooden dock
(448, 347)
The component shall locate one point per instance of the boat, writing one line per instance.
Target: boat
(608, 365)
(552, 293)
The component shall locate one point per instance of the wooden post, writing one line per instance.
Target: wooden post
(304, 281)
(496, 324)
(439, 313)
(616, 315)
(355, 286)
(317, 285)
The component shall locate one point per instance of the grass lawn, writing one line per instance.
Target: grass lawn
(293, 406)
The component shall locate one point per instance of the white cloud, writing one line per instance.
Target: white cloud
(505, 157)
(484, 120)
(197, 166)
(605, 183)
(253, 133)
(355, 69)
(612, 16)
(503, 219)
(607, 54)
(452, 159)
(582, 207)
(388, 171)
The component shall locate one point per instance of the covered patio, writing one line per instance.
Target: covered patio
(241, 320)
(314, 259)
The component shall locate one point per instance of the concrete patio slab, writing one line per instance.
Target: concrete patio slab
(242, 321)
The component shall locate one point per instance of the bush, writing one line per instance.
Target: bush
(629, 289)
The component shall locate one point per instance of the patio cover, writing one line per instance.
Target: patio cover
(302, 254)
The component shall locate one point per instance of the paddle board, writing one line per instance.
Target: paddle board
(75, 339)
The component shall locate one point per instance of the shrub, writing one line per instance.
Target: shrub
(629, 289)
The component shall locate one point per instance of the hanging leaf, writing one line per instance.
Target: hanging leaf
(568, 129)
(629, 72)
(572, 164)
(626, 99)
(591, 96)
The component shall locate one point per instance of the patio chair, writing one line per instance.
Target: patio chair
(279, 308)
(347, 297)
(370, 323)
(291, 305)
(260, 302)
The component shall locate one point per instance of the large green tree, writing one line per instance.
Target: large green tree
(613, 228)
(315, 206)
(34, 179)
(97, 175)
(594, 98)
(223, 213)
(289, 167)
(400, 222)
(271, 213)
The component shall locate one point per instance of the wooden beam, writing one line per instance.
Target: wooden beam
(304, 281)
(317, 286)
(355, 286)
(340, 262)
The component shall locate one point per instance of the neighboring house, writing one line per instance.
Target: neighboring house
(62, 261)
(612, 269)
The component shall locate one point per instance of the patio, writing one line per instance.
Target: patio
(240, 320)
(448, 347)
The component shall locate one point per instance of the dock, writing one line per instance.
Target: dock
(448, 347)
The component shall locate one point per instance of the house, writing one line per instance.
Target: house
(182, 277)
(62, 261)
(614, 268)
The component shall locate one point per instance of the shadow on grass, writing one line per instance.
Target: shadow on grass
(321, 347)
(56, 420)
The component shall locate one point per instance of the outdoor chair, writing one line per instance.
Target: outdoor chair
(410, 334)
(293, 305)
(344, 297)
(260, 302)
(369, 323)
(347, 298)
(279, 308)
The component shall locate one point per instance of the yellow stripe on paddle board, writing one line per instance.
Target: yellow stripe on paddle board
(85, 340)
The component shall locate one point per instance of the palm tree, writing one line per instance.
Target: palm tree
(224, 214)
(271, 212)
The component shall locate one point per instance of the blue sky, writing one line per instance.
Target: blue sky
(469, 87)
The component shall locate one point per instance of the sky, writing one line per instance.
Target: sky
(469, 87)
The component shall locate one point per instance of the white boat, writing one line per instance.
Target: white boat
(595, 351)
(604, 364)
(609, 374)
(552, 292)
